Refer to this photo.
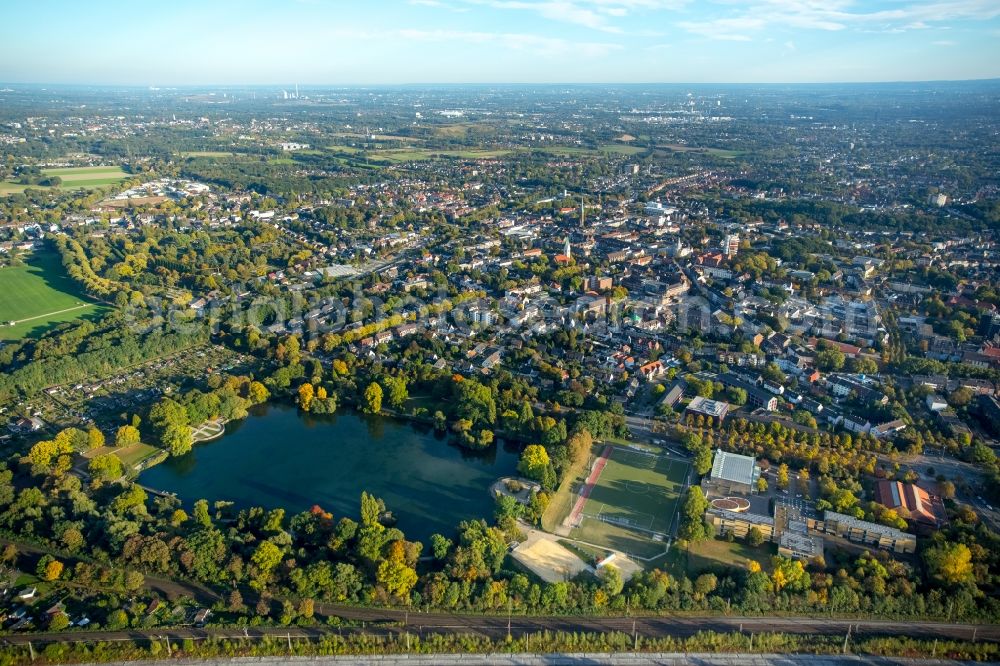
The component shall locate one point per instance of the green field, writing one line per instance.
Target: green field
(716, 152)
(633, 503)
(416, 154)
(206, 153)
(717, 553)
(73, 178)
(603, 149)
(37, 295)
(133, 455)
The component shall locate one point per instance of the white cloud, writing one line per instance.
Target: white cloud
(725, 29)
(832, 15)
(593, 14)
(943, 42)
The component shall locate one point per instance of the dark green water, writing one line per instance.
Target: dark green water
(279, 458)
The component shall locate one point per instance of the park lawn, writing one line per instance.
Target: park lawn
(12, 188)
(621, 149)
(715, 553)
(135, 454)
(454, 131)
(351, 150)
(38, 294)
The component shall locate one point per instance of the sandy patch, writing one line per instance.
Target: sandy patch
(548, 560)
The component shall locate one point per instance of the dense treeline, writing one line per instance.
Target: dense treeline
(407, 642)
(101, 355)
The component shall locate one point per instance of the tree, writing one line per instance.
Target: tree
(789, 575)
(830, 360)
(95, 439)
(266, 557)
(693, 515)
(394, 574)
(306, 395)
(107, 467)
(235, 601)
(440, 545)
(257, 393)
(950, 563)
(961, 397)
(702, 461)
(398, 392)
(534, 462)
(201, 514)
(737, 395)
(755, 537)
(761, 485)
(53, 569)
(611, 580)
(705, 583)
(864, 366)
(58, 621)
(783, 476)
(373, 399)
(126, 435)
(177, 439)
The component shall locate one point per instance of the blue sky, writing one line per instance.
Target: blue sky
(159, 42)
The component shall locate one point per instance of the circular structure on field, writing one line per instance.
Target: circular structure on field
(737, 504)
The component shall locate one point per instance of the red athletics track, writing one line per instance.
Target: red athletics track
(588, 486)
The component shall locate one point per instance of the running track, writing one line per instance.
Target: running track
(588, 486)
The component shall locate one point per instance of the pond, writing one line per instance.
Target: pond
(279, 458)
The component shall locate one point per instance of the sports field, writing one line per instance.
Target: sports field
(37, 295)
(632, 501)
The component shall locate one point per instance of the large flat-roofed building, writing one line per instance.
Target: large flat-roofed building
(872, 534)
(714, 409)
(733, 473)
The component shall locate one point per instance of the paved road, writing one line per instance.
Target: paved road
(386, 621)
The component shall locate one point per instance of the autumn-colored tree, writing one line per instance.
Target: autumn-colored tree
(394, 574)
(534, 462)
(95, 439)
(107, 467)
(373, 398)
(950, 563)
(53, 570)
(783, 476)
(257, 393)
(266, 558)
(306, 395)
(126, 435)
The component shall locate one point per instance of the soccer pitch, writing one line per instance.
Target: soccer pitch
(632, 505)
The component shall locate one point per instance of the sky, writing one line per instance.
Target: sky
(370, 42)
